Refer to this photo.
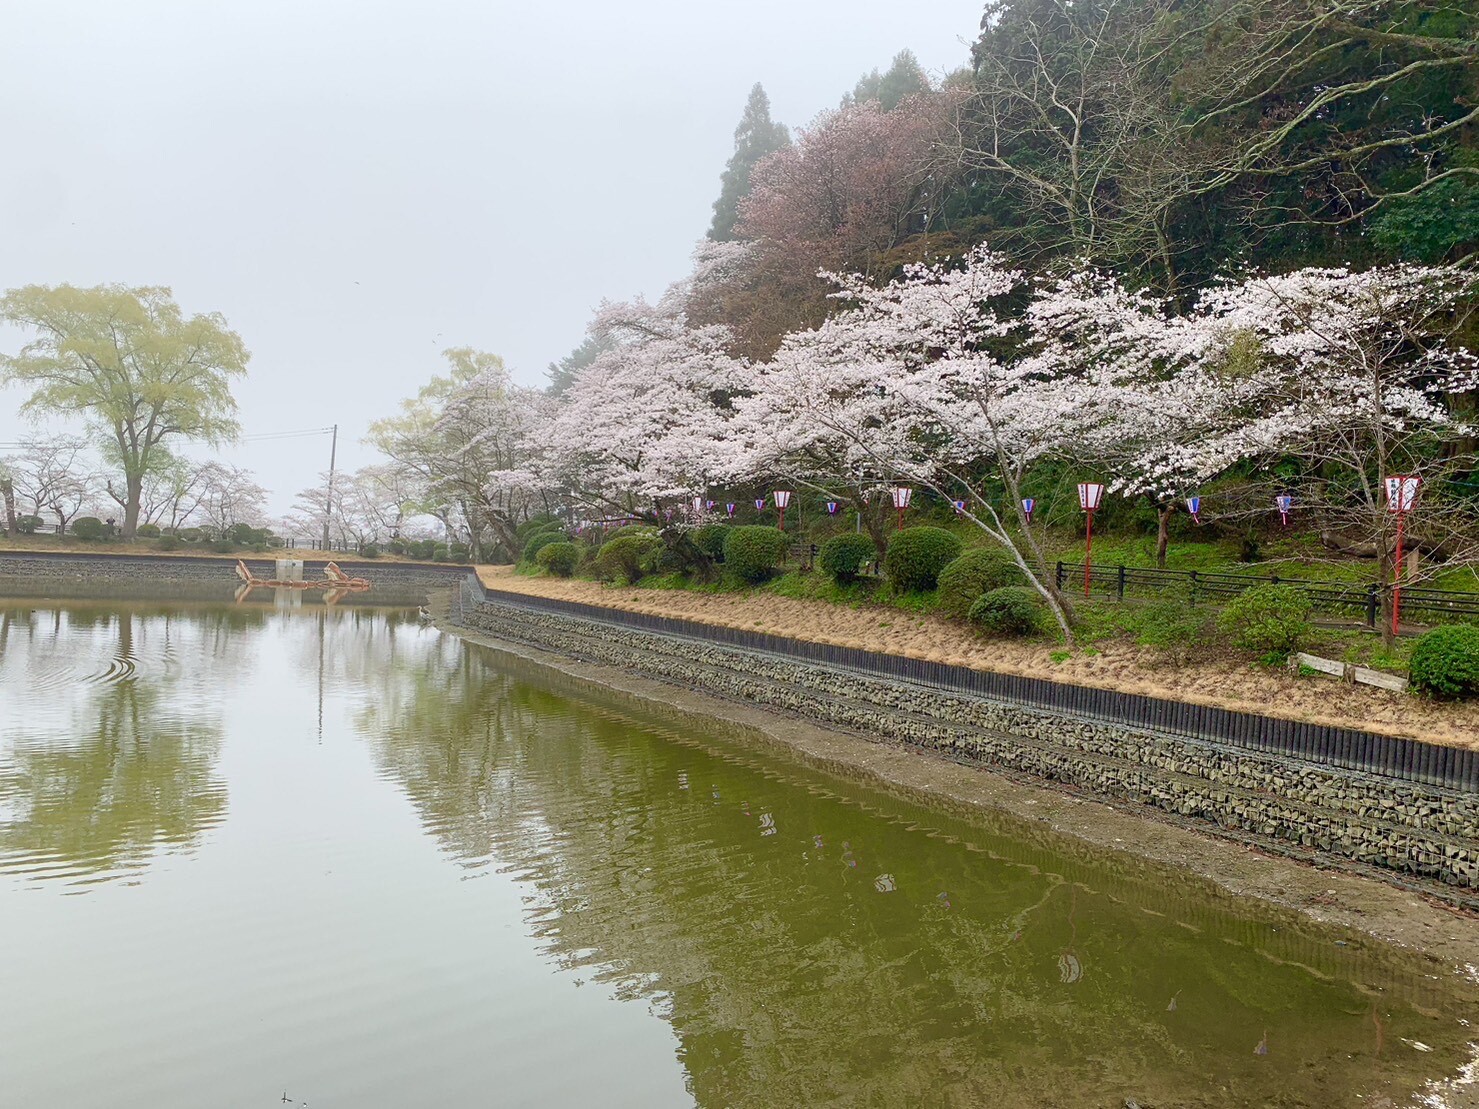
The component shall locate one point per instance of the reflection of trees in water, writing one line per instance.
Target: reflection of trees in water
(790, 978)
(110, 751)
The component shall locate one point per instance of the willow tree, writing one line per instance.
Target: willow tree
(131, 364)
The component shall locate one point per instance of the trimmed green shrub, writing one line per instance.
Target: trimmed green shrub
(710, 540)
(753, 552)
(1269, 619)
(976, 572)
(631, 529)
(89, 527)
(27, 525)
(537, 542)
(627, 558)
(542, 522)
(396, 546)
(168, 543)
(1445, 662)
(917, 555)
(367, 550)
(560, 559)
(459, 552)
(1009, 610)
(147, 531)
(843, 556)
(422, 549)
(192, 535)
(223, 546)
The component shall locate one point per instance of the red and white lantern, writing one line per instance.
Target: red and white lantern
(782, 499)
(1090, 493)
(902, 495)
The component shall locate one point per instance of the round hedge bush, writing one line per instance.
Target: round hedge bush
(560, 559)
(89, 527)
(27, 525)
(1270, 619)
(1445, 662)
(710, 540)
(844, 556)
(753, 552)
(1009, 610)
(626, 559)
(976, 572)
(369, 550)
(917, 555)
(147, 531)
(540, 540)
(168, 543)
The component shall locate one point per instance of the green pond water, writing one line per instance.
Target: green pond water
(329, 857)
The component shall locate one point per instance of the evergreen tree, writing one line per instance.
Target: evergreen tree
(563, 373)
(755, 137)
(905, 77)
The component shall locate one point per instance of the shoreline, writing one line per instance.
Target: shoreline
(1394, 915)
(1219, 683)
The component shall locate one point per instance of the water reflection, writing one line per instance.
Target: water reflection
(799, 973)
(107, 751)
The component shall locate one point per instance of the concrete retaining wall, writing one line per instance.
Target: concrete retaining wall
(1292, 805)
(144, 577)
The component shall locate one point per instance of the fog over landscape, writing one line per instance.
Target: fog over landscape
(357, 186)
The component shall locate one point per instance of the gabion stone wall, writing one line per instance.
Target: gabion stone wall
(1291, 805)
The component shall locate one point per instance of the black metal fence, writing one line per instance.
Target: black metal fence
(1348, 748)
(1337, 598)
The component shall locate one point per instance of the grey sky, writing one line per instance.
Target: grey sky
(358, 185)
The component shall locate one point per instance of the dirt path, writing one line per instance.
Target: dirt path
(1225, 683)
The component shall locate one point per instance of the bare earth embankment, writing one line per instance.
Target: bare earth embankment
(1226, 683)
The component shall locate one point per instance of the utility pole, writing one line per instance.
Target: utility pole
(329, 502)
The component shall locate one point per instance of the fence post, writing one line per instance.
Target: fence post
(1371, 605)
(1193, 591)
(1120, 583)
(1058, 580)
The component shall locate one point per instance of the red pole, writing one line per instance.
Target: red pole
(900, 525)
(1397, 579)
(783, 519)
(1088, 551)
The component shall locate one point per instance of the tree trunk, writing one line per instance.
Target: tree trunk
(131, 506)
(7, 490)
(1163, 534)
(1384, 565)
(873, 525)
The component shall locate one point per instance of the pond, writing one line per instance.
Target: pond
(331, 857)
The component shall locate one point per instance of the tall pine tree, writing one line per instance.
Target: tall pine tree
(755, 137)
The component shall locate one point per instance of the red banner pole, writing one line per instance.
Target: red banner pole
(1088, 550)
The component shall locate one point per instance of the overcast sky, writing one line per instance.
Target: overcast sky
(358, 185)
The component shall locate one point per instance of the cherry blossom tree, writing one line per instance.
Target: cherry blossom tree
(642, 429)
(471, 439)
(55, 475)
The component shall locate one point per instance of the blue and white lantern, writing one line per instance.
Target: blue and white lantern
(1194, 506)
(1028, 504)
(759, 504)
(959, 507)
(831, 508)
(729, 508)
(1284, 502)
